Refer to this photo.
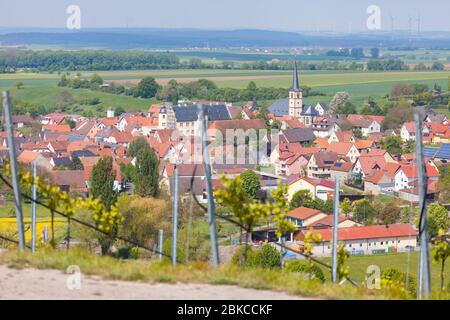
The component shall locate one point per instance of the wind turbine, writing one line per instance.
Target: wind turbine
(418, 24)
(392, 23)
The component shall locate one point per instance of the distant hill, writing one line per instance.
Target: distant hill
(122, 39)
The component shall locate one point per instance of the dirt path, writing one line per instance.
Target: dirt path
(52, 284)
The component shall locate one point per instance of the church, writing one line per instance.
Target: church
(294, 107)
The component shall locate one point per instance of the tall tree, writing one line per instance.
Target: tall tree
(146, 88)
(396, 116)
(147, 177)
(437, 219)
(364, 211)
(76, 164)
(251, 183)
(102, 182)
(136, 145)
(339, 99)
(346, 206)
(392, 144)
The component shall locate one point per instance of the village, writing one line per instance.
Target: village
(309, 148)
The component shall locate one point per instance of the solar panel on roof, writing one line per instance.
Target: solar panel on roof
(190, 113)
(444, 151)
(338, 164)
(430, 151)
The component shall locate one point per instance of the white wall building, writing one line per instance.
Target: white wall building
(366, 239)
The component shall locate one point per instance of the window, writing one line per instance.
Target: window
(381, 242)
(359, 244)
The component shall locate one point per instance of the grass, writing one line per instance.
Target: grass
(8, 211)
(151, 272)
(42, 88)
(358, 266)
(47, 94)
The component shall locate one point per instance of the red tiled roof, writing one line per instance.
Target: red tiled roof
(303, 213)
(109, 121)
(368, 163)
(376, 152)
(358, 117)
(326, 183)
(328, 220)
(344, 136)
(223, 125)
(411, 171)
(367, 232)
(342, 166)
(122, 137)
(375, 176)
(56, 127)
(27, 156)
(321, 143)
(341, 148)
(363, 144)
(139, 121)
(410, 126)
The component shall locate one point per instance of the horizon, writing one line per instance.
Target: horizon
(286, 16)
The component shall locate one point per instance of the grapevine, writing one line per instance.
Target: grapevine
(56, 199)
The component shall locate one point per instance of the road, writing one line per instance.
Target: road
(52, 284)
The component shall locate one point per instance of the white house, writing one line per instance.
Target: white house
(321, 108)
(365, 239)
(406, 176)
(407, 132)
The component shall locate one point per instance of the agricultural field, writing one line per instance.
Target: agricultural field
(42, 88)
(8, 227)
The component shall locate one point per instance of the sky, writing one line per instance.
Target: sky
(285, 15)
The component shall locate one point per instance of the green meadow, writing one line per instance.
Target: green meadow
(42, 88)
(402, 261)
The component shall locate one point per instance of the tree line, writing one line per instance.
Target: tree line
(49, 60)
(89, 60)
(173, 91)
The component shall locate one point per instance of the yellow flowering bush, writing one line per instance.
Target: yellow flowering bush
(58, 200)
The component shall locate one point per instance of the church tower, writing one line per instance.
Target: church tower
(295, 96)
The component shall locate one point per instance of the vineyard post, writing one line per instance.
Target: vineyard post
(424, 285)
(175, 216)
(33, 209)
(13, 163)
(160, 243)
(45, 235)
(209, 190)
(335, 230)
(68, 233)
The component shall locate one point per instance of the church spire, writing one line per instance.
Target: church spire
(295, 83)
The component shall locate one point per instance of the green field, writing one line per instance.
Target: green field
(42, 88)
(8, 211)
(358, 266)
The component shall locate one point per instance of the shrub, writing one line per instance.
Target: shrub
(312, 270)
(267, 257)
(239, 257)
(393, 278)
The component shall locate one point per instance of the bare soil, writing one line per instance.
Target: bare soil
(37, 284)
